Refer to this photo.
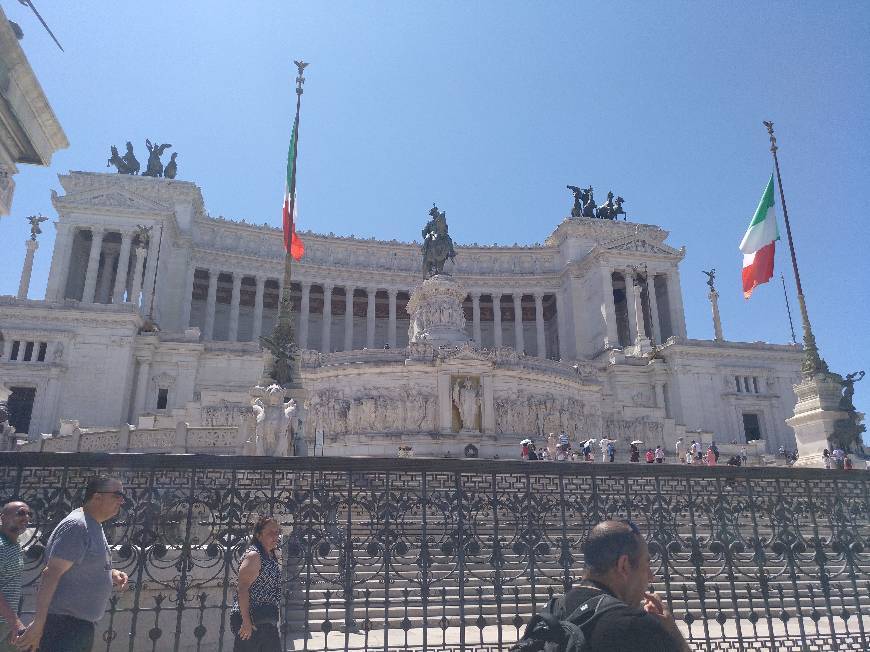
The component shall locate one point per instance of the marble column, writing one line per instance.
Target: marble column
(123, 266)
(133, 296)
(93, 265)
(539, 325)
(141, 387)
(717, 321)
(371, 295)
(348, 318)
(519, 342)
(188, 296)
(60, 261)
(675, 301)
(639, 326)
(235, 302)
(496, 319)
(150, 273)
(326, 333)
(656, 327)
(304, 313)
(210, 304)
(103, 292)
(611, 337)
(391, 332)
(475, 318)
(630, 292)
(258, 310)
(27, 268)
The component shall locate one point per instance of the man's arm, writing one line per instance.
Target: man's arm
(8, 614)
(48, 584)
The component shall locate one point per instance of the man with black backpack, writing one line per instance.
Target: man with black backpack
(610, 610)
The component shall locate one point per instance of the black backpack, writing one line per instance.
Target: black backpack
(546, 633)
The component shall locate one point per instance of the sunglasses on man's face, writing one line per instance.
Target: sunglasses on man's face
(24, 512)
(118, 494)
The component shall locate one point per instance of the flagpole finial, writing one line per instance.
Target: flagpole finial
(769, 125)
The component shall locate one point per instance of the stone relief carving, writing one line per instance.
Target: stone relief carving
(537, 414)
(372, 410)
(223, 414)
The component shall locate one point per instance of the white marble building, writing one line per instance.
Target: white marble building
(570, 344)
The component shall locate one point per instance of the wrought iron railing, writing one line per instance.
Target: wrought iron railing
(423, 554)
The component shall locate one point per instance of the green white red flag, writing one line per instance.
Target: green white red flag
(759, 243)
(292, 242)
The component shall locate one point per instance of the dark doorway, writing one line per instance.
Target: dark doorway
(751, 427)
(21, 407)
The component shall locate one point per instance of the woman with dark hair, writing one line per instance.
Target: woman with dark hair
(254, 617)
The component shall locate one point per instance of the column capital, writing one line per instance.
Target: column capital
(517, 294)
(328, 287)
(496, 294)
(97, 228)
(392, 292)
(348, 293)
(539, 296)
(237, 278)
(475, 296)
(305, 285)
(371, 291)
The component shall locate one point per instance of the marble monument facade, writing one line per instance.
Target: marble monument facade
(554, 333)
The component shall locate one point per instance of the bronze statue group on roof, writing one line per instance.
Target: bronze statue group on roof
(129, 164)
(585, 206)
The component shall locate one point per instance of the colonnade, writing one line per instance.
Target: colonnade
(656, 322)
(109, 269)
(341, 334)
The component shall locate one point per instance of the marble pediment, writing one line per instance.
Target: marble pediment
(639, 244)
(108, 199)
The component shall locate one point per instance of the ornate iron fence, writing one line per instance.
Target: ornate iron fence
(422, 554)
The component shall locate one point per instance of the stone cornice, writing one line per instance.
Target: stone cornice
(684, 350)
(23, 92)
(601, 231)
(69, 312)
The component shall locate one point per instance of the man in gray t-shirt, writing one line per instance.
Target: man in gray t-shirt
(77, 582)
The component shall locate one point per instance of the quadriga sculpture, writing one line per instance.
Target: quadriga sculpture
(275, 420)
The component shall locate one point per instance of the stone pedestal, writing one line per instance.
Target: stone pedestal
(27, 268)
(717, 321)
(436, 312)
(815, 415)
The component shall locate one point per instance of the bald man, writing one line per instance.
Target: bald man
(14, 518)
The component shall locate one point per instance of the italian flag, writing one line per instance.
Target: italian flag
(759, 243)
(292, 242)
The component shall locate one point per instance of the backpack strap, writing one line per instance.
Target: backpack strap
(592, 608)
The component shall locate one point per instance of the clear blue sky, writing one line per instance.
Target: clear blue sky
(490, 108)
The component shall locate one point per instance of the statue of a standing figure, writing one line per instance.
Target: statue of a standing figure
(589, 204)
(437, 244)
(274, 431)
(130, 160)
(466, 398)
(155, 166)
(35, 221)
(171, 167)
(848, 384)
(711, 278)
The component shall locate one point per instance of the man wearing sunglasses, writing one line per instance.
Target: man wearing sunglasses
(14, 518)
(612, 605)
(77, 581)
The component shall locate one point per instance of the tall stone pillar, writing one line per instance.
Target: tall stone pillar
(27, 268)
(150, 273)
(717, 322)
(123, 265)
(640, 325)
(234, 307)
(675, 299)
(348, 318)
(93, 265)
(137, 276)
(60, 261)
(519, 341)
(187, 302)
(371, 296)
(142, 381)
(103, 293)
(475, 318)
(391, 332)
(611, 337)
(539, 325)
(326, 333)
(257, 330)
(631, 292)
(496, 319)
(656, 334)
(210, 304)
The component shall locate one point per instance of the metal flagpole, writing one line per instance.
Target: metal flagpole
(281, 343)
(813, 363)
(788, 309)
